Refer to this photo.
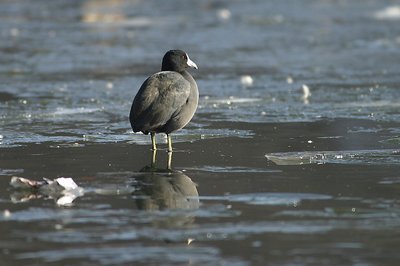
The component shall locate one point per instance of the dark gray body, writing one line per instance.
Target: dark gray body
(166, 102)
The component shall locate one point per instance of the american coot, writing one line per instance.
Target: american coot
(167, 100)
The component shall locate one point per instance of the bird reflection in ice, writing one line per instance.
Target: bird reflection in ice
(164, 188)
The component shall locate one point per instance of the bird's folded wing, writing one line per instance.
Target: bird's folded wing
(158, 99)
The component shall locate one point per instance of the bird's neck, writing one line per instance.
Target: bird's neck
(186, 75)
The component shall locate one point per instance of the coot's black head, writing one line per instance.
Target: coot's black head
(177, 60)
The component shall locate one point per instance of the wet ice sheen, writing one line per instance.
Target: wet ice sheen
(380, 157)
(124, 254)
(269, 198)
(237, 169)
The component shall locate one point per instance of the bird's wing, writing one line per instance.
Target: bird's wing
(159, 99)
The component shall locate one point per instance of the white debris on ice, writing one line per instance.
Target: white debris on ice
(388, 13)
(63, 189)
(306, 93)
(246, 80)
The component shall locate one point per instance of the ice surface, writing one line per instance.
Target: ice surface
(389, 156)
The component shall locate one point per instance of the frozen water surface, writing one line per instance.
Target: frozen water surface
(266, 173)
(379, 157)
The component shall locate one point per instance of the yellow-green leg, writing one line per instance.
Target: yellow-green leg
(153, 160)
(169, 143)
(153, 141)
(169, 167)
